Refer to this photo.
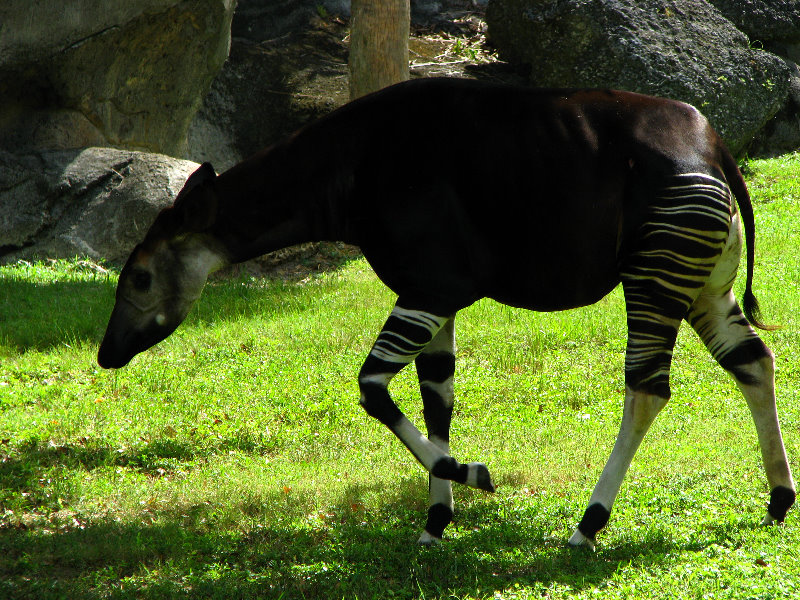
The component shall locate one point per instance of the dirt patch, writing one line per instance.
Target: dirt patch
(294, 263)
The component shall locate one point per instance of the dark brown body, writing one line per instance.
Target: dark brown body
(492, 179)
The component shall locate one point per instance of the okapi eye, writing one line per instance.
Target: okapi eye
(141, 281)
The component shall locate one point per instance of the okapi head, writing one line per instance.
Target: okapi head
(165, 274)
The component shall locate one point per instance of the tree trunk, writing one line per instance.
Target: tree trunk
(378, 44)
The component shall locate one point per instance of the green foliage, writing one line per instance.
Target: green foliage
(233, 460)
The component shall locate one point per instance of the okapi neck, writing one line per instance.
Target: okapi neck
(281, 197)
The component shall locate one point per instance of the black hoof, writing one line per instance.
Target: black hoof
(780, 500)
(594, 519)
(439, 517)
(483, 481)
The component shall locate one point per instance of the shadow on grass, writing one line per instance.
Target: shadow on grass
(23, 469)
(43, 316)
(186, 552)
(367, 559)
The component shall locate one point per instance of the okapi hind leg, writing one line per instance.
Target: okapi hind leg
(404, 336)
(678, 245)
(734, 344)
(641, 409)
(654, 313)
(651, 338)
(436, 366)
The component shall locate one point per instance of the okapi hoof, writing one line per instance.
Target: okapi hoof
(426, 539)
(578, 540)
(780, 500)
(594, 519)
(475, 475)
(439, 516)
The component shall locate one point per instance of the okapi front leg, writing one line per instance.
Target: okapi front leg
(436, 366)
(406, 334)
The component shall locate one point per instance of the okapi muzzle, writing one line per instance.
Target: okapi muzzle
(122, 342)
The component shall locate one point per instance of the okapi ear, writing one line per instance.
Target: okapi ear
(203, 173)
(201, 213)
(197, 211)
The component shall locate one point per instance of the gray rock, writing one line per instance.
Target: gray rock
(127, 73)
(686, 50)
(781, 134)
(34, 32)
(775, 26)
(269, 89)
(96, 203)
(764, 21)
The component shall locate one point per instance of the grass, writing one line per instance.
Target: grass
(233, 460)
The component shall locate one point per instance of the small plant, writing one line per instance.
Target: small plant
(464, 49)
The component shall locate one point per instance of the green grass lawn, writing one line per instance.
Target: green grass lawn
(233, 460)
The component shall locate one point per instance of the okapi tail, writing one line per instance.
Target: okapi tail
(736, 182)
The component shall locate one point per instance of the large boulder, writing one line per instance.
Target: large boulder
(96, 203)
(781, 134)
(129, 73)
(766, 22)
(269, 88)
(775, 26)
(687, 50)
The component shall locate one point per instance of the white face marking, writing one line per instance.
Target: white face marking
(161, 319)
(199, 261)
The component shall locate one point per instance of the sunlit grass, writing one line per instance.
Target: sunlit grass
(234, 461)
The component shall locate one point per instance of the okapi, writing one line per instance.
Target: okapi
(457, 190)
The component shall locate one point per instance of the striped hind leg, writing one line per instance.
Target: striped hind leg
(406, 334)
(679, 245)
(719, 322)
(646, 394)
(436, 366)
(654, 316)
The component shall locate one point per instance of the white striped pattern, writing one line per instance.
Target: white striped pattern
(686, 227)
(397, 348)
